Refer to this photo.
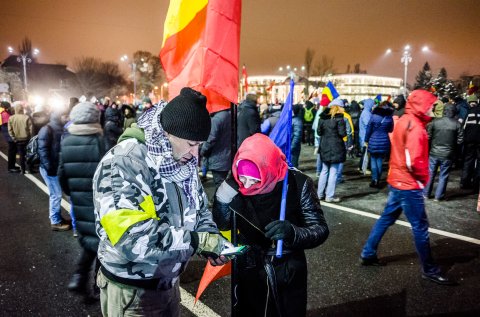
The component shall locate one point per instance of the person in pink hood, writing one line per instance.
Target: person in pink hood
(267, 285)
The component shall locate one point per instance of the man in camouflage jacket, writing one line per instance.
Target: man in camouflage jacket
(151, 211)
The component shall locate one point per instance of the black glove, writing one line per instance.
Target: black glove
(280, 230)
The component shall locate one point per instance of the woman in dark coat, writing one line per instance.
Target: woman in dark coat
(112, 128)
(267, 285)
(332, 130)
(80, 153)
(377, 139)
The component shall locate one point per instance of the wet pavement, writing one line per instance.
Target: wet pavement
(36, 263)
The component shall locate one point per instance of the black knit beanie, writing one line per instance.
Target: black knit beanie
(186, 116)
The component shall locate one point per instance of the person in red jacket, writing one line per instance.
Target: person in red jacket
(407, 178)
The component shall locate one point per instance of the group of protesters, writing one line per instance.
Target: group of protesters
(141, 211)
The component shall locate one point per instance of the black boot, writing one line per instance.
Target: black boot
(374, 184)
(78, 283)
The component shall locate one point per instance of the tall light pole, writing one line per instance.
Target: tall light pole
(24, 58)
(405, 60)
(124, 58)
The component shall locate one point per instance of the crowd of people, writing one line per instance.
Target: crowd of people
(140, 210)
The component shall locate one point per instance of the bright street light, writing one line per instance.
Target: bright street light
(406, 59)
(24, 58)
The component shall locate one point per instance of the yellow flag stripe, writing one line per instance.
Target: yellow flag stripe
(180, 13)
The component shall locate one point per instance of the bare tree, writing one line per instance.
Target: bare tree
(148, 71)
(98, 78)
(309, 55)
(324, 67)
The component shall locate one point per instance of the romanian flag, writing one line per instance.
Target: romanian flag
(201, 47)
(330, 92)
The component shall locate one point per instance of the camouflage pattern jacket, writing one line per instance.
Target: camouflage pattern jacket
(143, 221)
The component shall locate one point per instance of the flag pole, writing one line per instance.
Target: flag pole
(283, 204)
(233, 217)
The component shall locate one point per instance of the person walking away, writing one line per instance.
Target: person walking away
(377, 140)
(364, 120)
(267, 285)
(112, 129)
(248, 118)
(407, 177)
(5, 113)
(217, 150)
(49, 138)
(84, 146)
(354, 111)
(151, 212)
(296, 137)
(444, 134)
(20, 129)
(471, 166)
(332, 130)
(308, 117)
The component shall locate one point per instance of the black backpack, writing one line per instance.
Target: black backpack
(32, 155)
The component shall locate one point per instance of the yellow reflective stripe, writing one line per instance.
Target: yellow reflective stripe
(118, 221)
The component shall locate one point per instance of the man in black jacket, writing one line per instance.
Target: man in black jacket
(444, 134)
(471, 152)
(80, 153)
(248, 118)
(216, 150)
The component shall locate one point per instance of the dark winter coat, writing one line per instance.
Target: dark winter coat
(355, 111)
(296, 138)
(112, 129)
(79, 158)
(39, 119)
(217, 148)
(444, 134)
(49, 138)
(248, 121)
(255, 212)
(462, 110)
(331, 132)
(471, 126)
(380, 125)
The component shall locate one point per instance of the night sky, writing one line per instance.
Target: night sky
(274, 32)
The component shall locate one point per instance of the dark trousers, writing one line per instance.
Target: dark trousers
(433, 165)
(22, 151)
(308, 133)
(84, 264)
(471, 166)
(12, 153)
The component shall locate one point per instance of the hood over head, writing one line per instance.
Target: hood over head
(368, 105)
(418, 104)
(268, 158)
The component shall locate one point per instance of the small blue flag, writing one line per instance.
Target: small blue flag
(281, 133)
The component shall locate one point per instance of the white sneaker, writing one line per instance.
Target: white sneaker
(333, 200)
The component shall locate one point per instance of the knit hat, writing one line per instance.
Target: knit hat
(248, 168)
(147, 100)
(186, 116)
(85, 112)
(400, 101)
(472, 98)
(336, 102)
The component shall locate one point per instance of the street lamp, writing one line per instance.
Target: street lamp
(24, 58)
(291, 73)
(405, 60)
(124, 58)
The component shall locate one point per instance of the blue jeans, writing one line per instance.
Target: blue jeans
(327, 180)
(376, 161)
(340, 173)
(412, 204)
(319, 164)
(55, 194)
(433, 164)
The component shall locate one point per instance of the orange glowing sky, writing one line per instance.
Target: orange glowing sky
(274, 32)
